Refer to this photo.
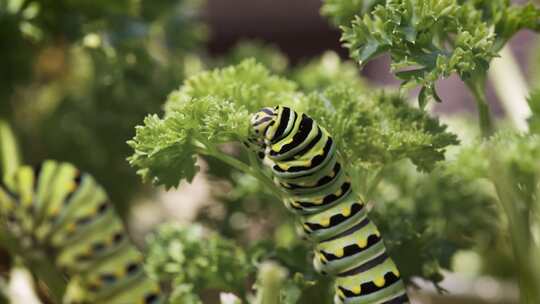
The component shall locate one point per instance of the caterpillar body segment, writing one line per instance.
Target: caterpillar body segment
(61, 214)
(305, 163)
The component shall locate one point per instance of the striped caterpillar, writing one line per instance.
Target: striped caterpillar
(304, 162)
(57, 213)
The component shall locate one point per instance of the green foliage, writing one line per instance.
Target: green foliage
(373, 130)
(248, 84)
(268, 55)
(316, 74)
(427, 218)
(431, 39)
(515, 172)
(81, 76)
(192, 260)
(325, 71)
(213, 108)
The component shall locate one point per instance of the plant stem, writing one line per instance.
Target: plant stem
(241, 166)
(270, 280)
(374, 182)
(511, 88)
(477, 85)
(517, 212)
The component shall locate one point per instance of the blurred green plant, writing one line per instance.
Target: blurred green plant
(439, 213)
(191, 260)
(78, 76)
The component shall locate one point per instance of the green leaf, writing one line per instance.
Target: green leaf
(423, 97)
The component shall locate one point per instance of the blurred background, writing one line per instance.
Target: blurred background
(77, 76)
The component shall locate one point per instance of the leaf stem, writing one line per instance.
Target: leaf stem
(477, 86)
(518, 214)
(210, 150)
(270, 281)
(374, 182)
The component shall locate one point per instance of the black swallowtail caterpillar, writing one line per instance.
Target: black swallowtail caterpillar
(58, 213)
(304, 162)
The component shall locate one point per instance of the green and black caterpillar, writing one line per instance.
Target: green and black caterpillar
(304, 161)
(58, 213)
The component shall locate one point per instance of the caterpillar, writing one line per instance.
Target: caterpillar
(57, 213)
(304, 162)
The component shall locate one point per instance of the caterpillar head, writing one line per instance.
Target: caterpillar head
(260, 123)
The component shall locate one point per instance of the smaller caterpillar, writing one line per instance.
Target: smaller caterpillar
(58, 213)
(305, 163)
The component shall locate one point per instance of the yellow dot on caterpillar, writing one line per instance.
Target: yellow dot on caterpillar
(346, 211)
(356, 290)
(306, 163)
(72, 186)
(317, 201)
(379, 282)
(362, 243)
(338, 193)
(325, 222)
(284, 166)
(339, 253)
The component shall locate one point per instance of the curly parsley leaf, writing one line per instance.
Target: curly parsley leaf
(379, 128)
(431, 39)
